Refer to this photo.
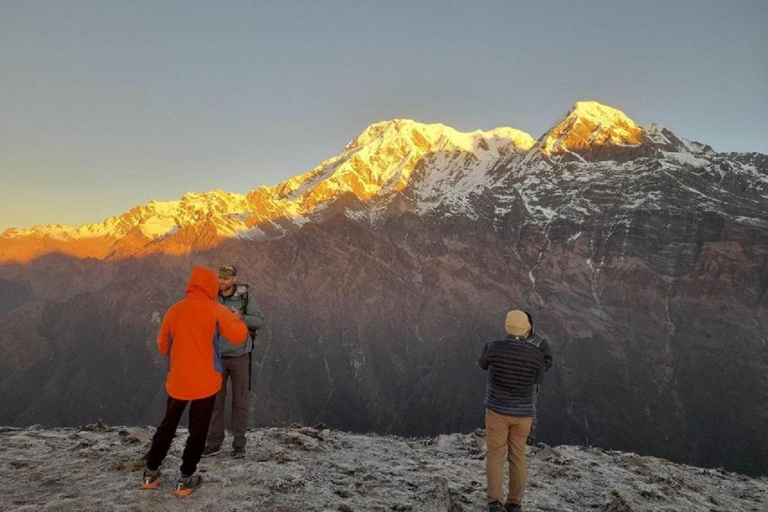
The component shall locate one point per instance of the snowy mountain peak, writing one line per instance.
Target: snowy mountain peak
(392, 166)
(589, 124)
(435, 137)
(668, 141)
(383, 158)
(51, 230)
(152, 220)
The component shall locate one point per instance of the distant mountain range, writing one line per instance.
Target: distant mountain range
(642, 256)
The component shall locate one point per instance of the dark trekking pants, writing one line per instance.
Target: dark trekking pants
(235, 369)
(199, 419)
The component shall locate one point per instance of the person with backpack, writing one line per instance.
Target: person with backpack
(515, 366)
(189, 336)
(237, 365)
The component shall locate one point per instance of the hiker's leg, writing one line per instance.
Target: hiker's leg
(199, 420)
(240, 399)
(163, 437)
(216, 430)
(518, 433)
(496, 447)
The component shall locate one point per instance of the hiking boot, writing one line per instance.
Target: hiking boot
(187, 485)
(496, 506)
(238, 452)
(513, 507)
(151, 479)
(210, 451)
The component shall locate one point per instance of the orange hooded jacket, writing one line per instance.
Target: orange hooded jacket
(190, 336)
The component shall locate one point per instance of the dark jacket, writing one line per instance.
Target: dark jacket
(515, 366)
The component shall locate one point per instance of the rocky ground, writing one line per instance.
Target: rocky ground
(98, 468)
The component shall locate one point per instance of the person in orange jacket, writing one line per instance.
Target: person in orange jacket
(190, 336)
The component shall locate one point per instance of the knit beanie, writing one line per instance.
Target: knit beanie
(517, 323)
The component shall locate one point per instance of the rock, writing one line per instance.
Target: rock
(617, 504)
(129, 466)
(297, 439)
(310, 432)
(287, 484)
(98, 426)
(261, 455)
(279, 456)
(127, 438)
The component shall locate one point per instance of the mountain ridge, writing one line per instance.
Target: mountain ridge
(434, 165)
(646, 271)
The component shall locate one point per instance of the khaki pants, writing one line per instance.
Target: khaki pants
(234, 369)
(505, 435)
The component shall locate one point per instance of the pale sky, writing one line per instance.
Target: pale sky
(105, 105)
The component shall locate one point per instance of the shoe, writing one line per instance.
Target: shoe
(496, 506)
(210, 451)
(187, 485)
(238, 452)
(151, 479)
(513, 507)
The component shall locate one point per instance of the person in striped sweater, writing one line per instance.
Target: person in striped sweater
(516, 367)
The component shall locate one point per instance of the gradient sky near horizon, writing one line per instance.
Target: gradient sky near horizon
(105, 105)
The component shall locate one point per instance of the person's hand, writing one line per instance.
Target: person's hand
(237, 313)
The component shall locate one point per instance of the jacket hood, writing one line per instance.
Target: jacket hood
(203, 281)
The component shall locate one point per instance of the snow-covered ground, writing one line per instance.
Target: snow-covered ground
(98, 468)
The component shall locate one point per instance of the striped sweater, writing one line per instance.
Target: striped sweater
(515, 365)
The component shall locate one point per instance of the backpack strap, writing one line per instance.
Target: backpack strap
(250, 369)
(535, 340)
(244, 301)
(244, 297)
